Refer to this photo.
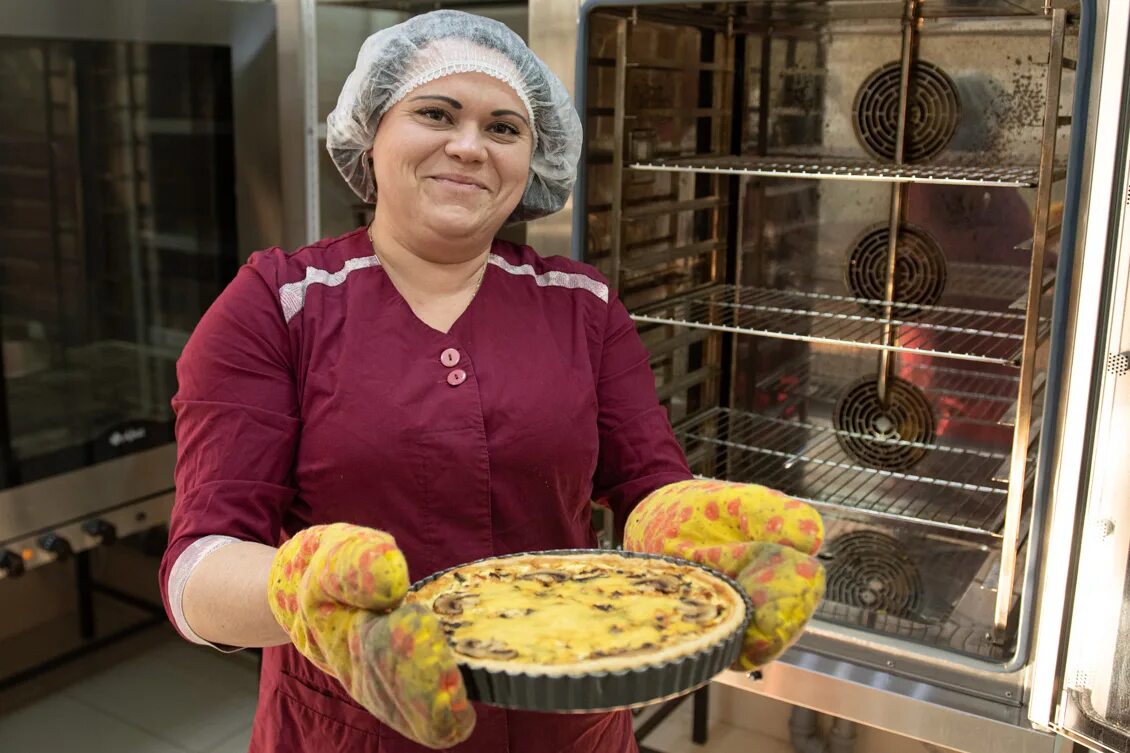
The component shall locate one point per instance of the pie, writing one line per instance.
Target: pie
(582, 612)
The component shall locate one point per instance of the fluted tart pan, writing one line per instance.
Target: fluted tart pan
(697, 615)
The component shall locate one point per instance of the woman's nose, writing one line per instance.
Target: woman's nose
(467, 144)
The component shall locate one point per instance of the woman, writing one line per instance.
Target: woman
(415, 394)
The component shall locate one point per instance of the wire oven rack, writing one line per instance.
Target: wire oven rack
(961, 636)
(974, 396)
(951, 488)
(947, 331)
(843, 169)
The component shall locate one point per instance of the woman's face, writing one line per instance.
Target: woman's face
(452, 158)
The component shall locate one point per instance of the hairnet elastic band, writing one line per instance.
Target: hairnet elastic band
(464, 66)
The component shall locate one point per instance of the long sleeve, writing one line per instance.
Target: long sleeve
(237, 427)
(638, 449)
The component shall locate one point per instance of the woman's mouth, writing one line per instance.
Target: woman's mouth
(459, 183)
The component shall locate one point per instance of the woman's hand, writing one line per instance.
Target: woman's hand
(758, 536)
(336, 590)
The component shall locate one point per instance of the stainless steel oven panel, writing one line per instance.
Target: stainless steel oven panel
(975, 678)
(1094, 676)
(1081, 675)
(553, 36)
(1067, 457)
(249, 30)
(122, 520)
(1069, 467)
(41, 506)
(299, 122)
(918, 710)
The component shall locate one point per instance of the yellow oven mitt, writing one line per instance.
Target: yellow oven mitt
(336, 590)
(759, 537)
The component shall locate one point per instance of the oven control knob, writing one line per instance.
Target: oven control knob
(57, 545)
(11, 564)
(101, 530)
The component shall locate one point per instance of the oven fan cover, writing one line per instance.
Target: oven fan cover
(933, 110)
(888, 437)
(873, 571)
(920, 269)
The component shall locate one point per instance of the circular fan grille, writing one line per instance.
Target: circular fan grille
(932, 112)
(873, 571)
(920, 268)
(874, 434)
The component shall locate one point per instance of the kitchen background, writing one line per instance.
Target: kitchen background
(110, 249)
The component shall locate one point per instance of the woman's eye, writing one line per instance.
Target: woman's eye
(433, 113)
(505, 129)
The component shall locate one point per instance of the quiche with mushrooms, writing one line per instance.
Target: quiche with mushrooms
(581, 612)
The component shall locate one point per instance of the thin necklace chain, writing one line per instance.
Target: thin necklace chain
(373, 245)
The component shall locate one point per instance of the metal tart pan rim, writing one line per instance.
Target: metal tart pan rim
(602, 690)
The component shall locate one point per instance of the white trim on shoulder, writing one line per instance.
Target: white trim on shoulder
(554, 278)
(178, 578)
(292, 296)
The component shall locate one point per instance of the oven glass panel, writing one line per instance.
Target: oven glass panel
(1095, 703)
(833, 260)
(117, 229)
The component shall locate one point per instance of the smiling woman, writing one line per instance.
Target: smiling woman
(471, 131)
(451, 162)
(413, 395)
(400, 61)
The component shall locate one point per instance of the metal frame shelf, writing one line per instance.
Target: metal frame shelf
(972, 329)
(945, 331)
(963, 637)
(990, 398)
(820, 472)
(856, 170)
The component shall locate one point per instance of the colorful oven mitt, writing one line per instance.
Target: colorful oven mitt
(335, 589)
(758, 536)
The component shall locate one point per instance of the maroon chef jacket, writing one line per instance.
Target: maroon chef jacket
(310, 393)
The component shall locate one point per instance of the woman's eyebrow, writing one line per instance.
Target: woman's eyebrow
(521, 117)
(459, 106)
(453, 102)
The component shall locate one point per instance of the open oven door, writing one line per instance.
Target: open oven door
(1081, 676)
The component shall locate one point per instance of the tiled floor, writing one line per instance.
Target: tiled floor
(674, 736)
(157, 694)
(161, 695)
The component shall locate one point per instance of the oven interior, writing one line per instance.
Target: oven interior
(746, 167)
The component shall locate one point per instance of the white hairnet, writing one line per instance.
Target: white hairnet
(396, 60)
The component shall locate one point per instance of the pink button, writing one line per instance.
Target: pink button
(456, 377)
(449, 357)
